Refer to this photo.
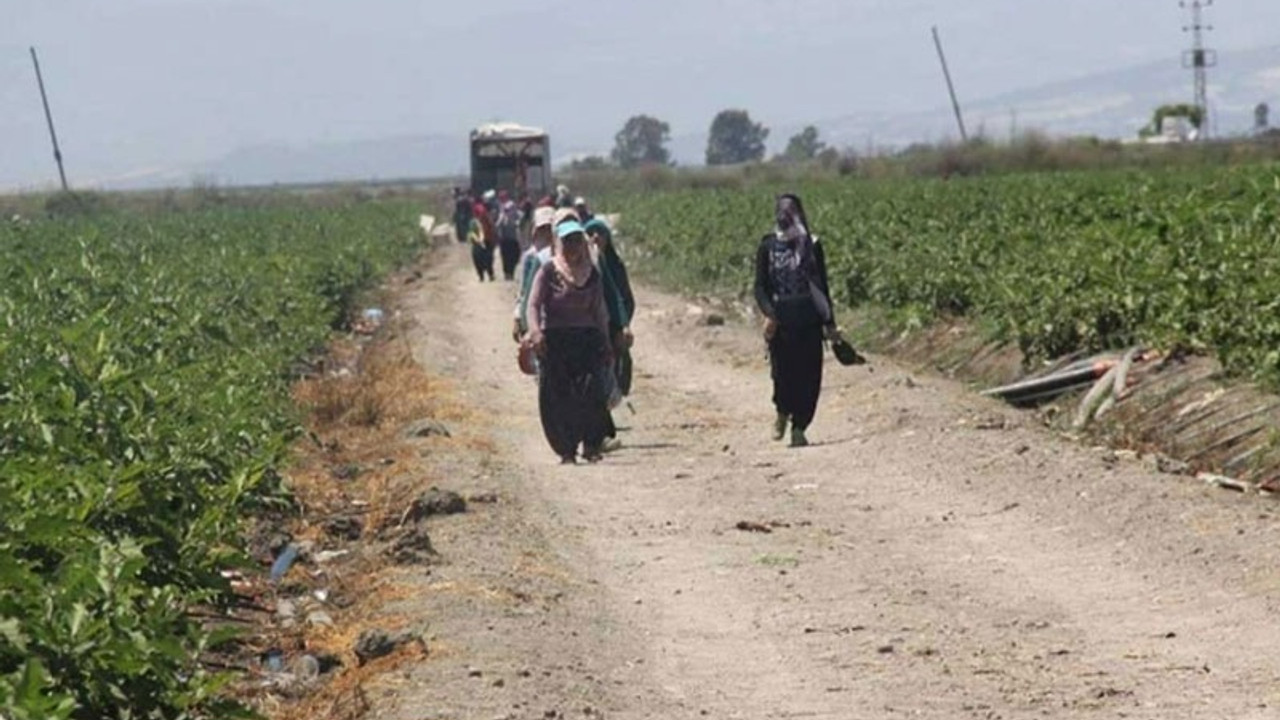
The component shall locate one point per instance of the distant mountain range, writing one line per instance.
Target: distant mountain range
(1109, 105)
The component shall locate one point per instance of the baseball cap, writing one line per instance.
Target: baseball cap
(570, 227)
(544, 216)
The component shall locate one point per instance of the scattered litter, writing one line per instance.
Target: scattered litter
(370, 320)
(286, 609)
(325, 556)
(273, 660)
(284, 562)
(306, 667)
(319, 618)
(1225, 482)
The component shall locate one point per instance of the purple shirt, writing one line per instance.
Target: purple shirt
(556, 303)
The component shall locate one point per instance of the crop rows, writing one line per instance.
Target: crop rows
(144, 409)
(1054, 263)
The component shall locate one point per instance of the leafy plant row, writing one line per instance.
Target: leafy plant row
(144, 409)
(1052, 262)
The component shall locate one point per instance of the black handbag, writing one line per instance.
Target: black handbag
(845, 353)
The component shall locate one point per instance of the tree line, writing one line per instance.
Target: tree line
(734, 138)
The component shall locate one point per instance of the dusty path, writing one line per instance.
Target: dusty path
(919, 567)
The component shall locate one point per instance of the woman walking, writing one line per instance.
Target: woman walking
(620, 301)
(482, 241)
(568, 329)
(792, 292)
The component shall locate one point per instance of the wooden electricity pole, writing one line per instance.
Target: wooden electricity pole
(48, 116)
(951, 88)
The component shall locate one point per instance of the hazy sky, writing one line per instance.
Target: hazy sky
(138, 84)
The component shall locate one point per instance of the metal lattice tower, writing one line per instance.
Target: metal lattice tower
(1199, 59)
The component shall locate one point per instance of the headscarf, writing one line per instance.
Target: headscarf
(792, 229)
(596, 226)
(575, 273)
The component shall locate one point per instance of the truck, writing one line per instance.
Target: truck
(511, 157)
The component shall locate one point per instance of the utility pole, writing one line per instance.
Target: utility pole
(48, 116)
(951, 88)
(1199, 59)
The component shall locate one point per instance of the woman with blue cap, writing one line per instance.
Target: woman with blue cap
(568, 329)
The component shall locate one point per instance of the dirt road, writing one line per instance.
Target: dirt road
(918, 565)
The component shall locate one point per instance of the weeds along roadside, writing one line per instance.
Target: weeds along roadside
(146, 363)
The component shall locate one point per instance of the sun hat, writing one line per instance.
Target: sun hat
(565, 215)
(544, 217)
(570, 227)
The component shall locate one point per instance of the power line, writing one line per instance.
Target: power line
(1199, 59)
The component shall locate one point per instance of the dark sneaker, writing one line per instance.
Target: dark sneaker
(780, 426)
(797, 438)
(569, 460)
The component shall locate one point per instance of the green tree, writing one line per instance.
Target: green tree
(642, 141)
(804, 146)
(1192, 113)
(735, 138)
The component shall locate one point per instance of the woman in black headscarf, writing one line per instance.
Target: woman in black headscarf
(792, 292)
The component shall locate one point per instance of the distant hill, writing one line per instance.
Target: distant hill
(380, 159)
(1109, 105)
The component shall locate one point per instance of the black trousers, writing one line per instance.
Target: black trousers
(482, 258)
(510, 249)
(571, 399)
(795, 361)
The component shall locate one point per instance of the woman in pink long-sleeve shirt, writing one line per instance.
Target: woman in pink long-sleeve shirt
(569, 329)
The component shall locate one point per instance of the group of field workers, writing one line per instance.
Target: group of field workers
(572, 312)
(574, 306)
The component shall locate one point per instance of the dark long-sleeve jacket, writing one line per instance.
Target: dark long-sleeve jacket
(786, 296)
(621, 301)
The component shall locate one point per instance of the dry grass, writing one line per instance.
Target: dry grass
(357, 409)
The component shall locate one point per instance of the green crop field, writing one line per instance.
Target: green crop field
(144, 409)
(1054, 263)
